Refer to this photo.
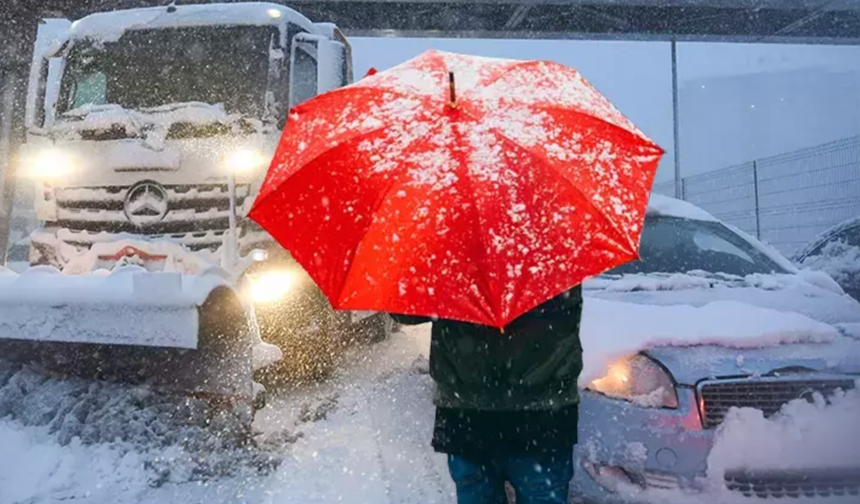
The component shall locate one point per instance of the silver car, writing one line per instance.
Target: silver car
(633, 450)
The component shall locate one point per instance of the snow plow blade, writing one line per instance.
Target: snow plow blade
(180, 333)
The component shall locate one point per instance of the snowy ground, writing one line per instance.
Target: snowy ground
(361, 438)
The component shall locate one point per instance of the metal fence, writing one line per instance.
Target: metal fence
(785, 200)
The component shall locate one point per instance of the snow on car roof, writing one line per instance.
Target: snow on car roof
(110, 26)
(671, 207)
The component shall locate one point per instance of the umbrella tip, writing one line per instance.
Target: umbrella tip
(452, 90)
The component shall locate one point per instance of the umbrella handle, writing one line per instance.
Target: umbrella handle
(452, 90)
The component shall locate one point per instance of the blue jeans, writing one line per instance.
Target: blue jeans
(536, 479)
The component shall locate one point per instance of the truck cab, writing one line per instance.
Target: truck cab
(159, 124)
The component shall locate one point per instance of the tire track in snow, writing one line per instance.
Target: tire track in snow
(374, 447)
(401, 412)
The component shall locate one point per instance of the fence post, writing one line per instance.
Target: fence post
(676, 119)
(755, 189)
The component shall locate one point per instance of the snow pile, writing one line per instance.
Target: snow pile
(101, 117)
(198, 113)
(696, 279)
(821, 279)
(656, 281)
(154, 121)
(366, 435)
(156, 438)
(35, 469)
(363, 437)
(819, 434)
(109, 307)
(804, 438)
(839, 260)
(613, 330)
(167, 257)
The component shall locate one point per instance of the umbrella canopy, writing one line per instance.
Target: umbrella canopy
(461, 187)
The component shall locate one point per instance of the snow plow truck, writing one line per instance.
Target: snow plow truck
(149, 134)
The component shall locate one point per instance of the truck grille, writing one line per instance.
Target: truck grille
(765, 394)
(813, 483)
(197, 216)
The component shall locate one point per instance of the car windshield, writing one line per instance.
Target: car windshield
(676, 245)
(848, 237)
(150, 68)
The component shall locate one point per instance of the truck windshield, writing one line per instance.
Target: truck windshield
(150, 68)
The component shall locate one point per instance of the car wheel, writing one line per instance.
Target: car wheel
(375, 329)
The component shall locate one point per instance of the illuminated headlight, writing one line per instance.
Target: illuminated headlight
(640, 380)
(246, 160)
(274, 13)
(271, 286)
(50, 164)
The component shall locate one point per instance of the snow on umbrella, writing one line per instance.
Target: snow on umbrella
(460, 187)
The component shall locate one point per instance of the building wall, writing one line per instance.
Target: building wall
(731, 120)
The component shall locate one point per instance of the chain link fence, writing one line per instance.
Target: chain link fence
(785, 200)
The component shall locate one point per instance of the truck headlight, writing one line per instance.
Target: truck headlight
(271, 286)
(50, 164)
(640, 380)
(246, 160)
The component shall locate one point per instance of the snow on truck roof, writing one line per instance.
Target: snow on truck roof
(110, 26)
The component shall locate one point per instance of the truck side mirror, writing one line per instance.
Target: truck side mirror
(317, 65)
(304, 68)
(45, 70)
(332, 66)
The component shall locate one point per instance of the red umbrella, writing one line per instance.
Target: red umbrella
(460, 187)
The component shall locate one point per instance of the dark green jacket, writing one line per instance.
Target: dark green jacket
(533, 365)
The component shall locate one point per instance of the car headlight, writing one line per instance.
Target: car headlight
(271, 286)
(246, 160)
(640, 380)
(50, 164)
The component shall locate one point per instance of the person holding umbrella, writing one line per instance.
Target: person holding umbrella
(507, 404)
(478, 194)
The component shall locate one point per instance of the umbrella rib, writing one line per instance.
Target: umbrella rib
(259, 202)
(482, 237)
(642, 141)
(395, 182)
(537, 62)
(547, 163)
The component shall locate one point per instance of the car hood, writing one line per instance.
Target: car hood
(813, 297)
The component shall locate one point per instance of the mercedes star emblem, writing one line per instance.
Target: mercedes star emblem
(146, 203)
